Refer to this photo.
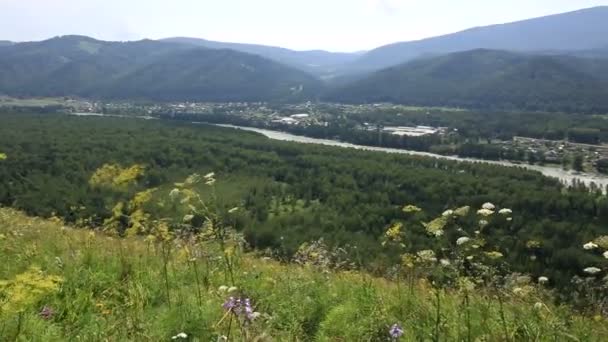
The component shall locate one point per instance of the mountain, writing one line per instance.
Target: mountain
(83, 66)
(318, 62)
(580, 30)
(488, 79)
(214, 75)
(5, 43)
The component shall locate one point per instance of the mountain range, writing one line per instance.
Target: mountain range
(147, 69)
(557, 62)
(488, 79)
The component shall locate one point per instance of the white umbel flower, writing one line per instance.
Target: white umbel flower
(180, 336)
(589, 246)
(448, 212)
(543, 280)
(605, 254)
(505, 211)
(488, 206)
(592, 270)
(462, 240)
(485, 212)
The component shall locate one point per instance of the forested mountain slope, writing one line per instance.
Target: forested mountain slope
(82, 66)
(488, 79)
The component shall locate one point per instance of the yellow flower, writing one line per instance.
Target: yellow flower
(463, 211)
(27, 288)
(393, 233)
(494, 255)
(411, 209)
(3, 156)
(436, 226)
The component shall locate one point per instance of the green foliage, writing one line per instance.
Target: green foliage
(288, 193)
(82, 66)
(97, 287)
(487, 79)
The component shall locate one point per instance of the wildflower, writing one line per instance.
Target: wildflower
(233, 210)
(188, 218)
(589, 246)
(232, 289)
(436, 226)
(210, 182)
(538, 306)
(240, 307)
(396, 331)
(193, 179)
(605, 254)
(485, 212)
(411, 209)
(488, 206)
(448, 212)
(509, 219)
(180, 336)
(174, 194)
(427, 255)
(393, 233)
(223, 288)
(602, 241)
(462, 240)
(543, 280)
(46, 313)
(445, 262)
(505, 211)
(209, 175)
(463, 211)
(494, 255)
(229, 304)
(3, 156)
(483, 223)
(592, 270)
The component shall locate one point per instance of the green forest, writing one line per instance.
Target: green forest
(291, 193)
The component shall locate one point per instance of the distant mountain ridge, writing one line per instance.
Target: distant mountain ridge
(316, 62)
(585, 29)
(488, 79)
(147, 69)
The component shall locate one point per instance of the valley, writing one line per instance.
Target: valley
(451, 185)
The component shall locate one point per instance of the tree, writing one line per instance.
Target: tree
(577, 162)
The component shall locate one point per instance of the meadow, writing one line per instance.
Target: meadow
(65, 284)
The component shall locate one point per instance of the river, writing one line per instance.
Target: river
(566, 177)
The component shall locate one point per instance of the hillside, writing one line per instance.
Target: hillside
(488, 79)
(65, 284)
(82, 66)
(318, 62)
(580, 30)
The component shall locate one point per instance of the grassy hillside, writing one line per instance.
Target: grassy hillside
(65, 284)
(488, 79)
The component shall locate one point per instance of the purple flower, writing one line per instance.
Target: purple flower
(240, 307)
(229, 304)
(396, 331)
(46, 313)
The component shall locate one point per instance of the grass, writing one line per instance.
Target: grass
(63, 284)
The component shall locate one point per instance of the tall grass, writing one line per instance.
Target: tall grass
(61, 284)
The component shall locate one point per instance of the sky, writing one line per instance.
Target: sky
(333, 25)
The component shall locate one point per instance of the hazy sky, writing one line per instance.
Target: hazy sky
(335, 25)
